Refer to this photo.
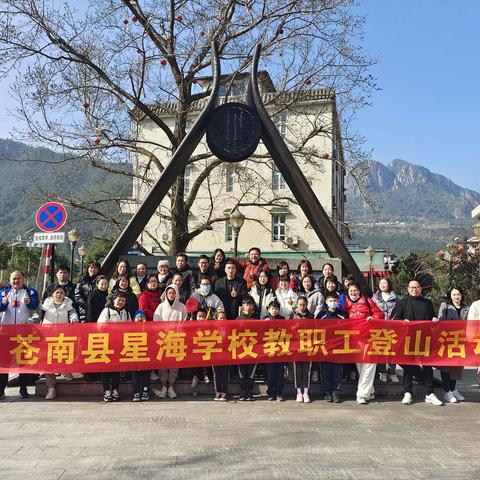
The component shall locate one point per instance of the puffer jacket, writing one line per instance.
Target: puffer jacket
(170, 313)
(361, 309)
(110, 315)
(148, 301)
(51, 315)
(388, 306)
(449, 312)
(85, 286)
(266, 298)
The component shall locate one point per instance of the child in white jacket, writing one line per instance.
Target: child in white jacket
(170, 310)
(56, 309)
(114, 312)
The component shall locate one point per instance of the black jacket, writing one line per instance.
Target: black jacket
(131, 306)
(69, 291)
(223, 289)
(84, 288)
(188, 279)
(414, 308)
(95, 304)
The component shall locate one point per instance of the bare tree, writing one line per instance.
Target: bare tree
(85, 76)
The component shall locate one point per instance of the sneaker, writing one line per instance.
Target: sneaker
(223, 398)
(107, 396)
(306, 398)
(449, 397)
(314, 376)
(280, 398)
(383, 378)
(154, 376)
(271, 399)
(217, 397)
(171, 392)
(250, 398)
(24, 392)
(371, 397)
(51, 394)
(328, 397)
(300, 397)
(432, 398)
(195, 381)
(336, 397)
(243, 396)
(145, 396)
(458, 395)
(136, 397)
(206, 379)
(362, 401)
(393, 378)
(115, 395)
(407, 398)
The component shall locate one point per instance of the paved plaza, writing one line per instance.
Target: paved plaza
(79, 438)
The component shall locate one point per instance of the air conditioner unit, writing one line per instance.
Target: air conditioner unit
(292, 241)
(166, 237)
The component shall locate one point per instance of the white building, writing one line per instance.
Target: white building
(308, 120)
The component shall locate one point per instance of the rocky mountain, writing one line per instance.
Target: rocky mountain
(408, 206)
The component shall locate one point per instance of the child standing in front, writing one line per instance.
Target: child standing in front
(275, 371)
(141, 378)
(331, 372)
(113, 312)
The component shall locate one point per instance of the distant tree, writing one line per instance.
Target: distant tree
(85, 73)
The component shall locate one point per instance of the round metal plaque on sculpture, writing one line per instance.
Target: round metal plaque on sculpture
(233, 132)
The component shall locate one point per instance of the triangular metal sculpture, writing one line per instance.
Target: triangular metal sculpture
(281, 155)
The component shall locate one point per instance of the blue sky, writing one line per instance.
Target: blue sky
(428, 107)
(427, 112)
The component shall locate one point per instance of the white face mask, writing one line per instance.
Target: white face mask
(332, 305)
(205, 289)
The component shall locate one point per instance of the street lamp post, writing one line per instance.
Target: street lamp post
(370, 253)
(82, 251)
(236, 219)
(73, 238)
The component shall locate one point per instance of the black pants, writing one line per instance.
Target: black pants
(140, 380)
(448, 384)
(247, 377)
(301, 371)
(275, 379)
(110, 380)
(23, 379)
(221, 374)
(408, 373)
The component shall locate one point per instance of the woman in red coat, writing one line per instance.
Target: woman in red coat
(359, 307)
(149, 299)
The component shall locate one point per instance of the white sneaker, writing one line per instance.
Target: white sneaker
(163, 392)
(194, 381)
(383, 378)
(306, 398)
(154, 376)
(449, 397)
(458, 395)
(432, 398)
(407, 398)
(51, 394)
(315, 376)
(171, 393)
(361, 401)
(394, 378)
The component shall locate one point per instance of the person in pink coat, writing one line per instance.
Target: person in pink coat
(359, 307)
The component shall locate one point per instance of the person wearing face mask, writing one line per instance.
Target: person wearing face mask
(359, 307)
(331, 372)
(207, 300)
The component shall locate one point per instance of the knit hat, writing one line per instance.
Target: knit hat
(139, 314)
(163, 262)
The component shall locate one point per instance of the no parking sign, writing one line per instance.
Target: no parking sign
(51, 216)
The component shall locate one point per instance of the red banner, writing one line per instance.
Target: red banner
(97, 347)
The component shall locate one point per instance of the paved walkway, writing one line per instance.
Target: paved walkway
(201, 439)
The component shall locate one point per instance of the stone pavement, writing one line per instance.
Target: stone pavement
(72, 438)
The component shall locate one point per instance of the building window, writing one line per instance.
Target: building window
(278, 182)
(230, 178)
(187, 179)
(280, 121)
(235, 90)
(278, 227)
(228, 231)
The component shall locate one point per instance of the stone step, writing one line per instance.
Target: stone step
(82, 388)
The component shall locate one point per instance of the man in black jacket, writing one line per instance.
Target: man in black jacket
(410, 308)
(84, 287)
(63, 279)
(231, 290)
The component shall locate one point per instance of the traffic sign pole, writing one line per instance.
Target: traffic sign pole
(47, 257)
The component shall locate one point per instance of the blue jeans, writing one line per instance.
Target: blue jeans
(275, 379)
(331, 376)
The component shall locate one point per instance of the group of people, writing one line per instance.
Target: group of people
(222, 288)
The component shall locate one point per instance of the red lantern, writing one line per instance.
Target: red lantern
(325, 156)
(125, 22)
(134, 18)
(97, 141)
(163, 62)
(86, 104)
(308, 81)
